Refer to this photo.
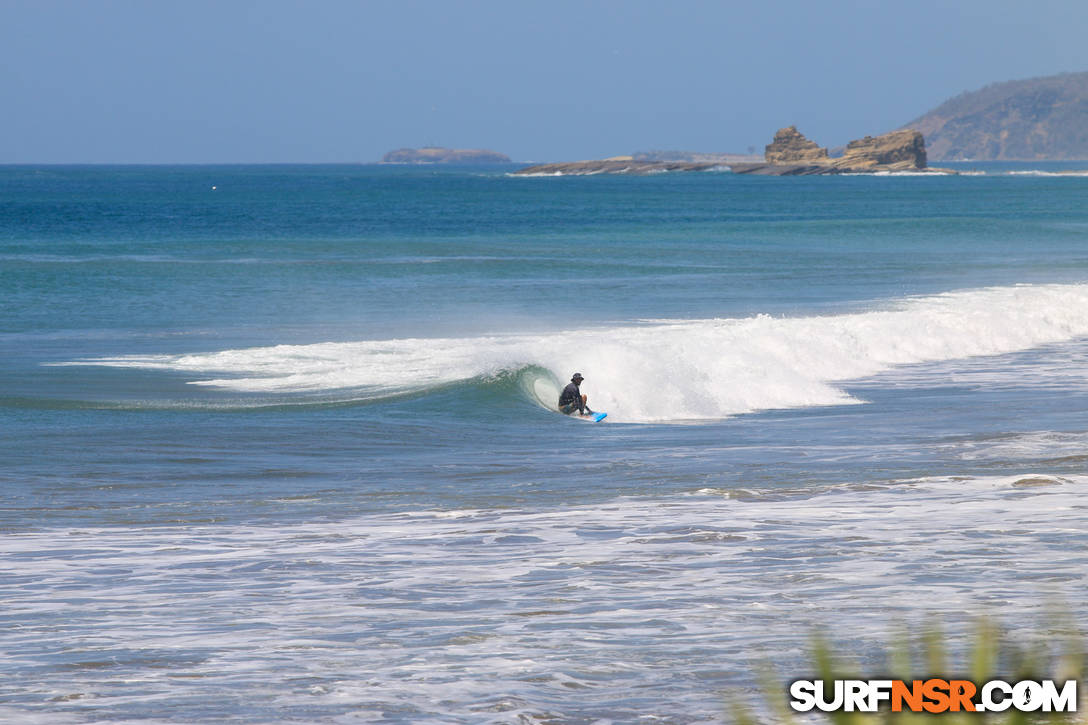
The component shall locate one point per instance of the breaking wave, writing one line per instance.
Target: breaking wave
(662, 370)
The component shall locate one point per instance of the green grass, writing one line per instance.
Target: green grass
(1056, 652)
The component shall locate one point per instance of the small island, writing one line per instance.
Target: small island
(437, 155)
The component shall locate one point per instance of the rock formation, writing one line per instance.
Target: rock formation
(792, 154)
(791, 147)
(896, 151)
(435, 155)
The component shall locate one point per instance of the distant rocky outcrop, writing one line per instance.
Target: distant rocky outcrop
(791, 154)
(791, 147)
(615, 165)
(643, 162)
(435, 155)
(1026, 120)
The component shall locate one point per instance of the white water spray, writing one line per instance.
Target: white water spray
(674, 369)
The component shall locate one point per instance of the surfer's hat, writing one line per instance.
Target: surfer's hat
(577, 376)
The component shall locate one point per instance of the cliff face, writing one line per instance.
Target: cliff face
(434, 155)
(1033, 119)
(791, 147)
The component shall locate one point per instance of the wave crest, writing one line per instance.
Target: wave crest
(666, 370)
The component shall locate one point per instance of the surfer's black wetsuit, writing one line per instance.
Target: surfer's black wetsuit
(571, 399)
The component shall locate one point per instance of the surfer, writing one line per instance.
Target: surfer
(572, 399)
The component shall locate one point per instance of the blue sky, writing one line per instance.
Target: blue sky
(197, 81)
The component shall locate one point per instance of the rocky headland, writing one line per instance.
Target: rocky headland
(436, 155)
(789, 154)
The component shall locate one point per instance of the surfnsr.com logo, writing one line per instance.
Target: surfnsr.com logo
(933, 695)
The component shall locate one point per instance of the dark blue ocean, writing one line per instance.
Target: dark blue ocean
(278, 443)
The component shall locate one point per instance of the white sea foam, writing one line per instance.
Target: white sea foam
(669, 370)
(630, 608)
(1040, 172)
(900, 173)
(1036, 445)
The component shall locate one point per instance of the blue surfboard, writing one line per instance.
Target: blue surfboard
(594, 417)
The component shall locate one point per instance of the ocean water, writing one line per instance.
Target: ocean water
(278, 442)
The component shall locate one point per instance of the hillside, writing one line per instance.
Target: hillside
(1033, 119)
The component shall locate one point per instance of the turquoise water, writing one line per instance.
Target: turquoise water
(277, 444)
